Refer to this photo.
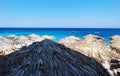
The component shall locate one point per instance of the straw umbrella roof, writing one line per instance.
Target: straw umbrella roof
(11, 36)
(6, 46)
(48, 58)
(93, 46)
(6, 40)
(35, 37)
(70, 39)
(22, 40)
(115, 43)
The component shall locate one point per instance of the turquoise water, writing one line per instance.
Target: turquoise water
(59, 33)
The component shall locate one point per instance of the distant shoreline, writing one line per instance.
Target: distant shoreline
(51, 28)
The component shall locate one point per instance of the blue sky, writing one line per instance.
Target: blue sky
(60, 13)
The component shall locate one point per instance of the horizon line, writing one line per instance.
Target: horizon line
(67, 27)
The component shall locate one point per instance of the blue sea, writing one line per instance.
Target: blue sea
(59, 33)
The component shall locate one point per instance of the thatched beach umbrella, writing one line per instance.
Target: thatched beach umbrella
(6, 40)
(6, 46)
(11, 36)
(21, 41)
(115, 43)
(34, 37)
(67, 41)
(92, 46)
(48, 58)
